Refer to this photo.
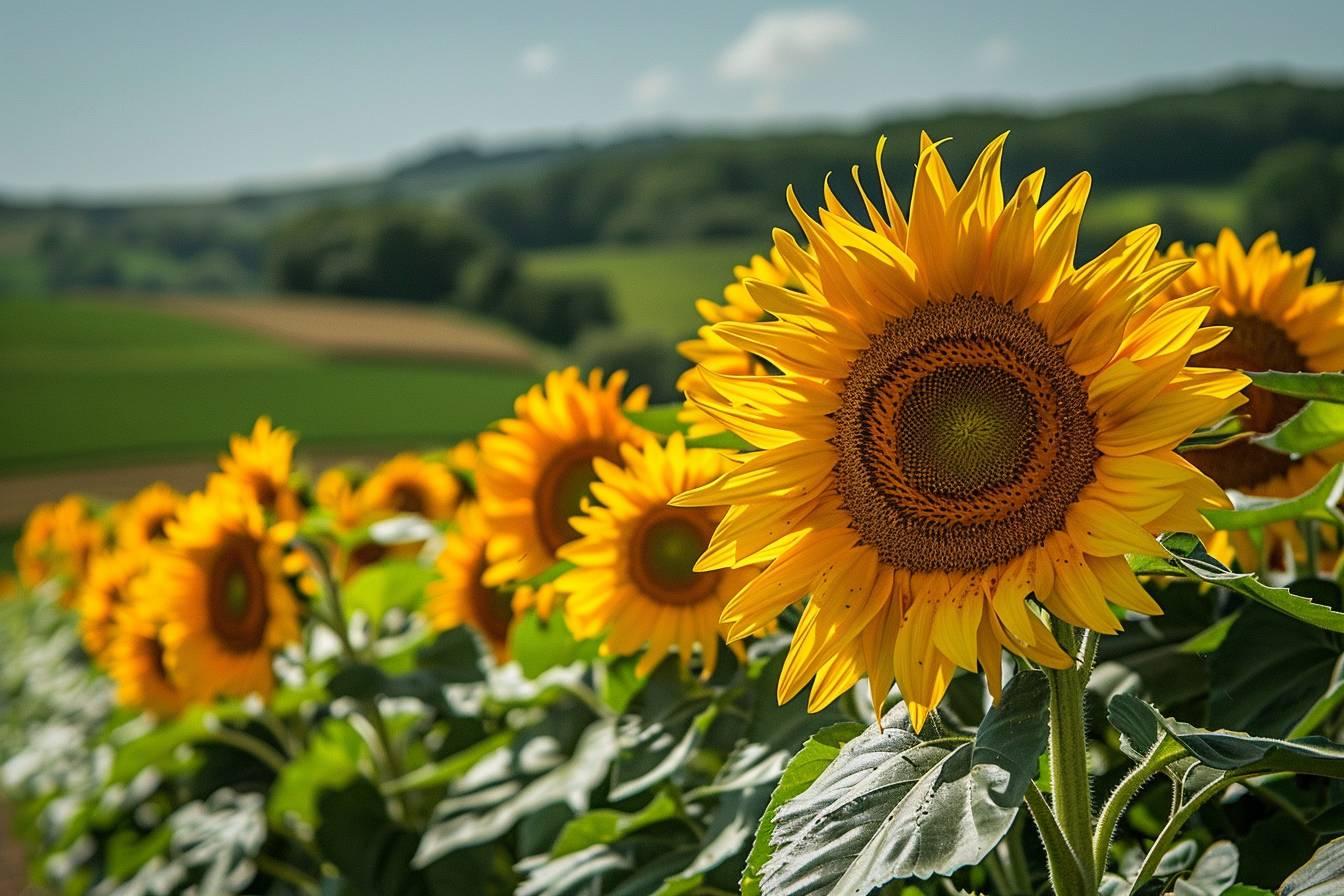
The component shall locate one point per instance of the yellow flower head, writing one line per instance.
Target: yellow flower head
(459, 597)
(409, 483)
(1278, 322)
(536, 469)
(103, 592)
(143, 520)
(962, 419)
(261, 465)
(335, 493)
(711, 351)
(57, 544)
(135, 661)
(634, 577)
(219, 586)
(463, 458)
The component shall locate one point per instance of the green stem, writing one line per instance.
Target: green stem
(1066, 875)
(1070, 783)
(1161, 756)
(1015, 857)
(287, 873)
(258, 749)
(1172, 828)
(998, 878)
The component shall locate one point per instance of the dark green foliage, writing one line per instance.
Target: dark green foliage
(651, 360)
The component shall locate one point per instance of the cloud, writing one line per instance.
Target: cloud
(653, 87)
(777, 44)
(995, 54)
(537, 60)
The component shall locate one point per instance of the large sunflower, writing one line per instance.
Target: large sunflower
(459, 597)
(709, 350)
(1279, 322)
(963, 419)
(261, 464)
(409, 483)
(143, 520)
(634, 576)
(221, 590)
(106, 589)
(136, 662)
(533, 473)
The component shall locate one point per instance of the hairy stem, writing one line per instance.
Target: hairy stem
(1162, 755)
(1173, 827)
(1070, 783)
(1066, 875)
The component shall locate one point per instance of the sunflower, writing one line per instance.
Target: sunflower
(534, 472)
(1278, 322)
(711, 351)
(261, 465)
(962, 419)
(136, 662)
(409, 483)
(459, 597)
(57, 544)
(143, 520)
(220, 587)
(103, 592)
(633, 577)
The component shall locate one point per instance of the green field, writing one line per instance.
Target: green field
(84, 384)
(654, 287)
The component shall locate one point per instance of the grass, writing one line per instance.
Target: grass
(84, 383)
(654, 287)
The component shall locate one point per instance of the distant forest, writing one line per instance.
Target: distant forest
(1263, 154)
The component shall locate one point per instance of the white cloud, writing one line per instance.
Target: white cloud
(653, 87)
(537, 60)
(776, 44)
(995, 54)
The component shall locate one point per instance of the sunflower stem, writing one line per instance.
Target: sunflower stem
(246, 743)
(1163, 754)
(1070, 783)
(1173, 827)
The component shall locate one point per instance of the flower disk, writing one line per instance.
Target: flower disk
(634, 577)
(535, 471)
(962, 421)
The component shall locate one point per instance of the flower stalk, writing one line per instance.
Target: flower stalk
(1071, 785)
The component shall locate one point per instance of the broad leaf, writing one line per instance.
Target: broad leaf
(1323, 875)
(1215, 871)
(894, 805)
(1309, 386)
(606, 826)
(330, 762)
(1188, 558)
(392, 583)
(1320, 503)
(1232, 751)
(1318, 425)
(538, 646)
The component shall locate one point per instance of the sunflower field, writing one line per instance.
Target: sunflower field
(967, 566)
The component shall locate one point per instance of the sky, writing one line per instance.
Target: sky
(172, 97)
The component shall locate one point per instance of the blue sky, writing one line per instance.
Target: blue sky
(110, 98)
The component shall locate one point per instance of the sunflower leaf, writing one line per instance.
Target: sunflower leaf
(1227, 751)
(1309, 386)
(1319, 503)
(1323, 875)
(1187, 558)
(1318, 425)
(893, 805)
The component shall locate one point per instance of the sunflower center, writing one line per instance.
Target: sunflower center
(962, 437)
(1253, 344)
(263, 489)
(407, 498)
(491, 607)
(563, 485)
(154, 653)
(156, 528)
(367, 554)
(236, 597)
(663, 551)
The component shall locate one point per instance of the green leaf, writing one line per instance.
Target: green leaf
(457, 824)
(1229, 429)
(1229, 751)
(1318, 425)
(606, 826)
(1211, 638)
(454, 657)
(1309, 386)
(894, 805)
(538, 646)
(445, 771)
(128, 851)
(391, 584)
(1320, 503)
(1246, 890)
(1270, 670)
(817, 754)
(1215, 871)
(136, 748)
(1323, 875)
(329, 763)
(1189, 559)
